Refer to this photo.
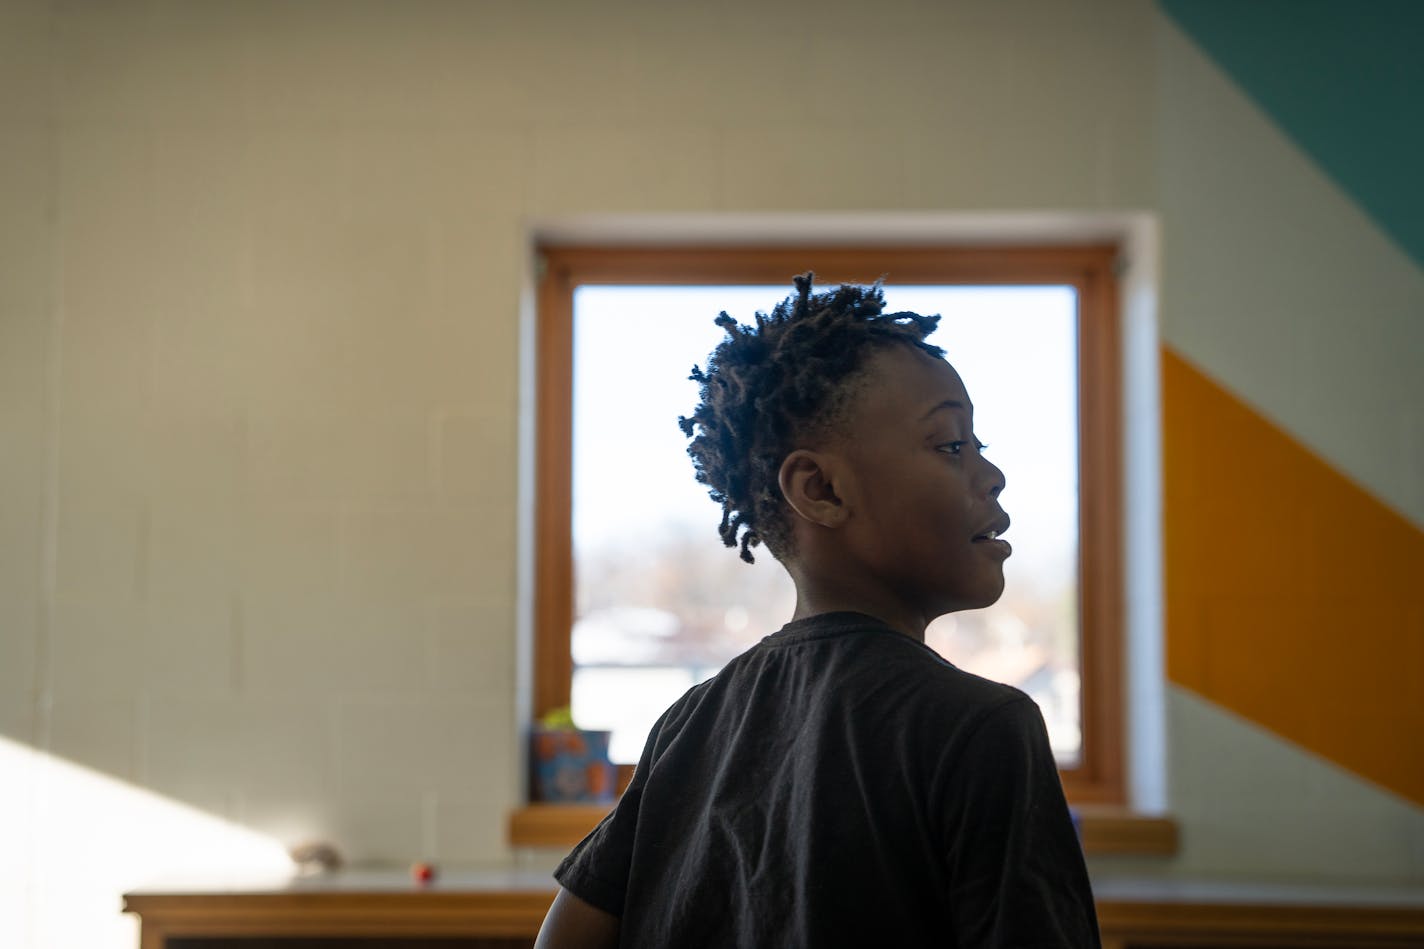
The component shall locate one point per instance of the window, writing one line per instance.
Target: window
(999, 300)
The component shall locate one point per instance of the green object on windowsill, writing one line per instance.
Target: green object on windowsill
(558, 718)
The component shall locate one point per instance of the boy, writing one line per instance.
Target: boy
(839, 784)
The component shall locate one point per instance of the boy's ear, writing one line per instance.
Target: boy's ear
(808, 483)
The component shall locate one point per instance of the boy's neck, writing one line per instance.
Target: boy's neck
(814, 602)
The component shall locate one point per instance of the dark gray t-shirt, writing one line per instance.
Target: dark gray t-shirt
(840, 784)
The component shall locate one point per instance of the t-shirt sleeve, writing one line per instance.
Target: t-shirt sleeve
(1017, 874)
(596, 870)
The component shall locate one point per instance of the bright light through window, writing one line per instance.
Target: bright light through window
(661, 605)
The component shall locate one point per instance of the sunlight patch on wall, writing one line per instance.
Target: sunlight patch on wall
(75, 841)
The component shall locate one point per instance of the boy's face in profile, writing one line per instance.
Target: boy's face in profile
(925, 500)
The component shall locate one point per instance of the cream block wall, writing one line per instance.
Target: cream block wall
(261, 268)
(26, 305)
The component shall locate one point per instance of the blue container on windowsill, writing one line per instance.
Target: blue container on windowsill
(570, 766)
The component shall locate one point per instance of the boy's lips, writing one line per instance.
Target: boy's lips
(999, 526)
(989, 537)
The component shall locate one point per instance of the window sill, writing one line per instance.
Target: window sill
(1106, 830)
(553, 825)
(1117, 831)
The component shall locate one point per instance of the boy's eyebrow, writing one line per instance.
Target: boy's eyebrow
(946, 404)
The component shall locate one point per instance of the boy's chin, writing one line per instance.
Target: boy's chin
(983, 598)
(987, 601)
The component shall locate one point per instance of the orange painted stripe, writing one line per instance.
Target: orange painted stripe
(1294, 597)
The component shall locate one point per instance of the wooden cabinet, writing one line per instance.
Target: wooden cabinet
(503, 910)
(1194, 914)
(369, 910)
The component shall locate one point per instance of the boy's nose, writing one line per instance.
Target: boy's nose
(997, 480)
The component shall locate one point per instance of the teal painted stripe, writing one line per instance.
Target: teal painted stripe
(1344, 79)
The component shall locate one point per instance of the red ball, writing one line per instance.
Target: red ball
(422, 872)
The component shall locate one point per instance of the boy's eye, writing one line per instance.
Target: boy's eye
(954, 448)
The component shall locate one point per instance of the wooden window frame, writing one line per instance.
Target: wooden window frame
(1090, 269)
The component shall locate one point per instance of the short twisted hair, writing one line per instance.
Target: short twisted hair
(786, 379)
